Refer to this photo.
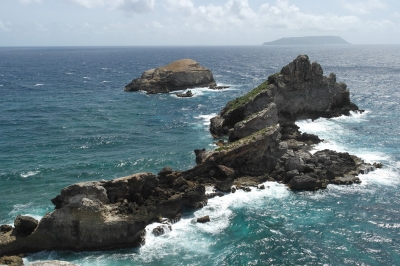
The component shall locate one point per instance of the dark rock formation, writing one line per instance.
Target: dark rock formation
(5, 228)
(178, 75)
(299, 91)
(104, 214)
(25, 224)
(204, 219)
(11, 260)
(264, 144)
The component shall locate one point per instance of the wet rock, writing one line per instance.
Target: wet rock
(11, 260)
(306, 182)
(25, 224)
(224, 185)
(5, 228)
(204, 219)
(161, 229)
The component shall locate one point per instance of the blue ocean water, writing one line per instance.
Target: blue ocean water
(64, 118)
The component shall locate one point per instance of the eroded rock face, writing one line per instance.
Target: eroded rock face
(178, 75)
(264, 144)
(104, 214)
(25, 224)
(299, 90)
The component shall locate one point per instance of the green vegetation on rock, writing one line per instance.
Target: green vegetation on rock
(232, 105)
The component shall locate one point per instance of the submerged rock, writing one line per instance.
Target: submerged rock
(178, 75)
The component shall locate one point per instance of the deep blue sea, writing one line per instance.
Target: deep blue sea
(65, 118)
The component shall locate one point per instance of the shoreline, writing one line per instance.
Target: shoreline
(132, 202)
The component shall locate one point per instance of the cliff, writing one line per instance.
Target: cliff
(299, 91)
(178, 75)
(309, 40)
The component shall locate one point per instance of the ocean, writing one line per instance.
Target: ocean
(65, 118)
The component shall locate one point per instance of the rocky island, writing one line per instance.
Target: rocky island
(178, 75)
(309, 40)
(264, 144)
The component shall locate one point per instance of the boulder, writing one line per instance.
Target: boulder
(5, 228)
(224, 185)
(12, 261)
(25, 224)
(306, 182)
(204, 219)
(178, 75)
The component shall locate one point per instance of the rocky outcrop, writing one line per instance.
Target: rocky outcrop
(264, 144)
(299, 91)
(104, 214)
(11, 260)
(178, 75)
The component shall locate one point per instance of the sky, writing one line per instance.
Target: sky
(194, 22)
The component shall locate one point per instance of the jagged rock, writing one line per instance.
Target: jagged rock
(255, 122)
(306, 182)
(195, 197)
(5, 228)
(254, 155)
(261, 186)
(113, 214)
(299, 90)
(11, 260)
(103, 215)
(25, 224)
(178, 75)
(204, 219)
(345, 180)
(161, 229)
(224, 185)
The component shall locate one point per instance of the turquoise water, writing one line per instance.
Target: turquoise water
(64, 118)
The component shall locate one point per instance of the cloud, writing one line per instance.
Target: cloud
(364, 7)
(135, 6)
(237, 14)
(30, 1)
(5, 26)
(286, 16)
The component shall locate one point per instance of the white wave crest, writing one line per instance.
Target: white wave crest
(205, 118)
(29, 173)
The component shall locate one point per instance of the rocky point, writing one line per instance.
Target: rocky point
(264, 143)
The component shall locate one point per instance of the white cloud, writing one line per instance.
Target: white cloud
(30, 1)
(381, 25)
(365, 7)
(396, 15)
(286, 16)
(5, 26)
(237, 14)
(135, 6)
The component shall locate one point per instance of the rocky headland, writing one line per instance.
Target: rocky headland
(264, 144)
(178, 75)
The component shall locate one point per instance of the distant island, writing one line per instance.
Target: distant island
(308, 40)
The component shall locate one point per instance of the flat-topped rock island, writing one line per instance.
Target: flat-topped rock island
(178, 75)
